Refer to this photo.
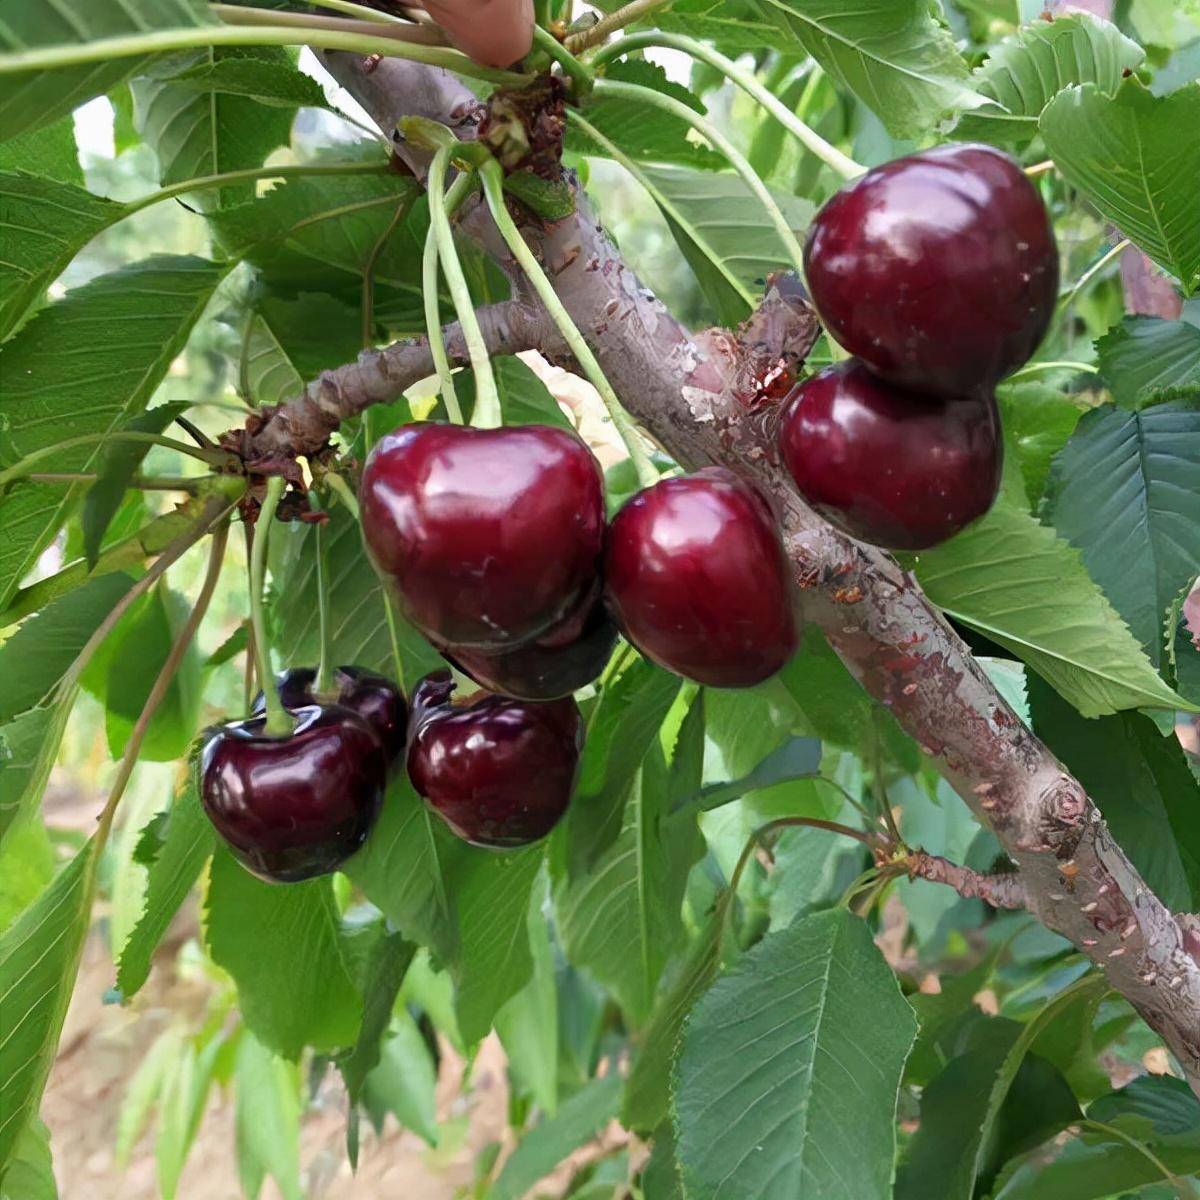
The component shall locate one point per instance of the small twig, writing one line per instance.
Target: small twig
(633, 11)
(1065, 299)
(1037, 368)
(196, 434)
(1004, 890)
(1040, 168)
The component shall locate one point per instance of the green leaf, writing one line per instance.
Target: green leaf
(30, 100)
(1146, 359)
(133, 322)
(44, 224)
(186, 1085)
(993, 577)
(621, 123)
(894, 55)
(267, 1120)
(630, 712)
(34, 660)
(732, 24)
(620, 922)
(781, 1088)
(116, 469)
(404, 1081)
(797, 758)
(579, 1120)
(1038, 420)
(1166, 1103)
(187, 844)
(1024, 72)
(524, 398)
(282, 947)
(143, 1092)
(27, 864)
(285, 343)
(1124, 492)
(50, 153)
(219, 110)
(317, 234)
(30, 1175)
(1125, 154)
(140, 649)
(28, 748)
(724, 233)
(39, 959)
(1140, 782)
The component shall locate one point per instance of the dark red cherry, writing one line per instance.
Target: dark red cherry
(489, 536)
(938, 270)
(695, 576)
(499, 772)
(568, 657)
(296, 806)
(376, 699)
(887, 466)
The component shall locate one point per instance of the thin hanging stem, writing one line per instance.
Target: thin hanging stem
(829, 154)
(581, 75)
(325, 663)
(368, 286)
(1040, 168)
(1064, 301)
(342, 490)
(1038, 368)
(487, 399)
(493, 188)
(158, 692)
(637, 94)
(28, 464)
(634, 11)
(279, 723)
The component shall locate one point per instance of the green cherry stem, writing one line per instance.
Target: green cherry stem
(324, 663)
(637, 94)
(493, 188)
(343, 491)
(279, 723)
(581, 75)
(487, 398)
(845, 166)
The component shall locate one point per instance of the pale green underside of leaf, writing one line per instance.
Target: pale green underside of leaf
(29, 100)
(84, 365)
(892, 54)
(1127, 155)
(782, 1090)
(1013, 579)
(1024, 72)
(39, 956)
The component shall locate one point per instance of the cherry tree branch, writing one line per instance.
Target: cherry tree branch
(1003, 890)
(697, 394)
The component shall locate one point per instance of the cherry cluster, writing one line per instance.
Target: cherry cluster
(939, 273)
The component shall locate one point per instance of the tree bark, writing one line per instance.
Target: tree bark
(698, 395)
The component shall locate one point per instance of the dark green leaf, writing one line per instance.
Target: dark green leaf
(992, 577)
(524, 398)
(797, 758)
(894, 55)
(404, 1080)
(231, 647)
(1145, 359)
(551, 200)
(282, 945)
(1124, 491)
(782, 1090)
(1125, 154)
(186, 844)
(1038, 420)
(132, 323)
(580, 1119)
(1140, 782)
(1166, 1103)
(1024, 72)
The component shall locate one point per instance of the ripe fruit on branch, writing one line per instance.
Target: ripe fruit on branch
(296, 806)
(938, 270)
(499, 772)
(489, 537)
(695, 576)
(889, 467)
(375, 699)
(566, 658)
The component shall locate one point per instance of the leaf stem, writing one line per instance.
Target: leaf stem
(487, 413)
(581, 75)
(493, 188)
(165, 41)
(158, 692)
(1038, 368)
(358, 10)
(279, 723)
(139, 483)
(829, 154)
(637, 94)
(342, 490)
(368, 285)
(634, 11)
(1064, 301)
(28, 464)
(325, 662)
(1118, 1134)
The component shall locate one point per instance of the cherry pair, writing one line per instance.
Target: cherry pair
(939, 273)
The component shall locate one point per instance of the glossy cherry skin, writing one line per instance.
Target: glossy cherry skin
(938, 270)
(376, 699)
(566, 658)
(696, 578)
(297, 806)
(499, 772)
(489, 537)
(887, 466)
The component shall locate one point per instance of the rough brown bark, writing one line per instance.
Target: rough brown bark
(697, 394)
